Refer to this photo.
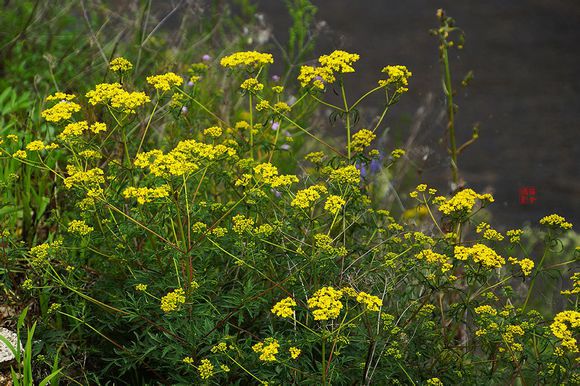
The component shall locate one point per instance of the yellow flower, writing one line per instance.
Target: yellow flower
(373, 303)
(283, 308)
(165, 81)
(188, 360)
(315, 157)
(60, 96)
(21, 154)
(268, 349)
(172, 300)
(205, 369)
(35, 146)
(561, 330)
(144, 195)
(91, 178)
(120, 64)
(361, 140)
(213, 131)
(434, 382)
(514, 235)
(399, 76)
(242, 224)
(141, 287)
(485, 310)
(61, 111)
(315, 76)
(305, 197)
(252, 84)
(526, 265)
(339, 61)
(575, 285)
(334, 203)
(555, 221)
(434, 258)
(113, 94)
(346, 175)
(463, 202)
(294, 352)
(397, 153)
(326, 303)
(247, 58)
(480, 254)
(79, 227)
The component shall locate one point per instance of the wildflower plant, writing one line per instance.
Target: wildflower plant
(201, 256)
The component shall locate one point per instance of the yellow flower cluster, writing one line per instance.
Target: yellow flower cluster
(397, 153)
(76, 129)
(526, 265)
(373, 303)
(252, 84)
(141, 287)
(294, 352)
(339, 61)
(60, 96)
(172, 300)
(120, 64)
(214, 131)
(220, 347)
(561, 330)
(113, 94)
(463, 202)
(268, 174)
(399, 76)
(488, 232)
(326, 303)
(435, 258)
(242, 224)
(281, 107)
(480, 254)
(164, 82)
(145, 195)
(305, 197)
(315, 75)
(61, 111)
(91, 178)
(361, 140)
(39, 146)
(21, 154)
(324, 242)
(41, 252)
(434, 382)
(247, 58)
(575, 285)
(267, 350)
(485, 310)
(79, 227)
(315, 157)
(346, 175)
(205, 369)
(284, 308)
(334, 203)
(514, 235)
(183, 159)
(555, 221)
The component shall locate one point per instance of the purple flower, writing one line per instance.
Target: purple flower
(275, 78)
(206, 58)
(285, 147)
(277, 193)
(184, 109)
(375, 166)
(362, 168)
(275, 126)
(190, 83)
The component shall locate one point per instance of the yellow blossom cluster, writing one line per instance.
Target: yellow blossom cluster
(315, 157)
(324, 242)
(372, 303)
(205, 369)
(562, 328)
(145, 195)
(21, 154)
(397, 153)
(526, 265)
(481, 254)
(252, 84)
(575, 285)
(164, 82)
(555, 221)
(485, 310)
(61, 111)
(91, 178)
(40, 253)
(141, 287)
(242, 224)
(267, 173)
(247, 58)
(514, 235)
(346, 175)
(435, 258)
(120, 64)
(267, 349)
(60, 96)
(294, 352)
(488, 232)
(114, 95)
(284, 308)
(79, 227)
(172, 300)
(398, 76)
(334, 203)
(214, 131)
(305, 197)
(76, 129)
(326, 303)
(336, 62)
(361, 140)
(316, 76)
(339, 61)
(434, 382)
(183, 159)
(463, 202)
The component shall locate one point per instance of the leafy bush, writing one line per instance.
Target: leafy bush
(182, 248)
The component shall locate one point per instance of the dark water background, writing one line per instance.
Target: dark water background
(525, 95)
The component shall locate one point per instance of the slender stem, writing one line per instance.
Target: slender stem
(450, 112)
(347, 111)
(251, 108)
(148, 124)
